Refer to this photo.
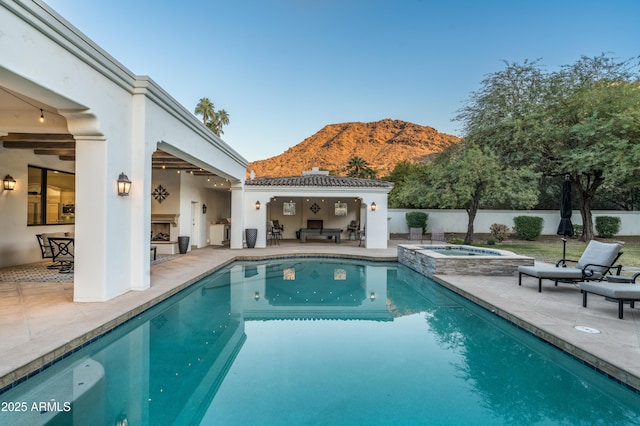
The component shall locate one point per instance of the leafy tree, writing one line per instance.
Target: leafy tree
(469, 177)
(582, 120)
(211, 118)
(358, 167)
(398, 176)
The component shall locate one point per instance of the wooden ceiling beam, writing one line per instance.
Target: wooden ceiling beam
(67, 158)
(38, 145)
(66, 152)
(38, 137)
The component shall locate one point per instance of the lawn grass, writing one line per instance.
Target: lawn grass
(549, 249)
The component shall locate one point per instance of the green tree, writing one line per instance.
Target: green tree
(358, 167)
(582, 120)
(211, 118)
(469, 177)
(399, 175)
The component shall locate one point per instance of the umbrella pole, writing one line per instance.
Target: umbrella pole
(564, 251)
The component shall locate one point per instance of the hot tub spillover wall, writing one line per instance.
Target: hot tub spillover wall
(483, 262)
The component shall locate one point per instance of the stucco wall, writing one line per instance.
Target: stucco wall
(456, 220)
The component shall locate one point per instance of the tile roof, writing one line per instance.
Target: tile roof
(319, 181)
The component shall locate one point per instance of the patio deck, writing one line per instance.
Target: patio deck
(39, 321)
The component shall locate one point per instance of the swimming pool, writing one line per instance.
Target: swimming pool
(310, 341)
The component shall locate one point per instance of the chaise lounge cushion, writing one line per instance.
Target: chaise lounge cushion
(552, 272)
(598, 253)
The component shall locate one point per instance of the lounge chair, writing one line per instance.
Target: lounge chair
(619, 289)
(597, 261)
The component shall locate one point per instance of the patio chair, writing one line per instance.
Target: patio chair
(63, 252)
(45, 249)
(353, 228)
(597, 260)
(616, 288)
(274, 234)
(415, 234)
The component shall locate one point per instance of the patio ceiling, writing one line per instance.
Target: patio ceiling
(64, 146)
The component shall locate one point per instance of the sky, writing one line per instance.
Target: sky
(284, 69)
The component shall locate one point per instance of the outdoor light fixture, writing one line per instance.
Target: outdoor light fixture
(372, 296)
(256, 296)
(257, 205)
(9, 183)
(204, 209)
(124, 185)
(41, 116)
(373, 207)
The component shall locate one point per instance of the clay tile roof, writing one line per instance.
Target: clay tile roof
(319, 180)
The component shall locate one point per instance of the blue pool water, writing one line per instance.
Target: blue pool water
(462, 251)
(299, 342)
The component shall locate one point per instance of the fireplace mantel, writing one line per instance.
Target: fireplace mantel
(164, 218)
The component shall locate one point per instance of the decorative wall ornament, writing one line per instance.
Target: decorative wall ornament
(341, 209)
(314, 208)
(160, 193)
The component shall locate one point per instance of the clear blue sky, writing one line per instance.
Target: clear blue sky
(283, 69)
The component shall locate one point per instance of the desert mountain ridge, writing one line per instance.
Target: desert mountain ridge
(381, 143)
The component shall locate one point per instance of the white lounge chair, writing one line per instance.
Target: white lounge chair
(597, 260)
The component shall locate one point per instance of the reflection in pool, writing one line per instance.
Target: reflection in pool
(309, 341)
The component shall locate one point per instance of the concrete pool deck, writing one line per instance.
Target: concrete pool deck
(39, 322)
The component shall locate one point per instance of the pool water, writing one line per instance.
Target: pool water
(311, 341)
(462, 251)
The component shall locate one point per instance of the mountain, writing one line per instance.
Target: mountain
(381, 143)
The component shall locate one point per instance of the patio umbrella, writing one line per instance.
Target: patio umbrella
(566, 227)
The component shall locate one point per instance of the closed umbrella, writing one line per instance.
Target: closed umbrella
(566, 227)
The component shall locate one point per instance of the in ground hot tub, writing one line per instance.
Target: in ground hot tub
(449, 259)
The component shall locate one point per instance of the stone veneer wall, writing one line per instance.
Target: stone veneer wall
(417, 259)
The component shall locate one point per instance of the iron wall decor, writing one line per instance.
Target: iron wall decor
(160, 193)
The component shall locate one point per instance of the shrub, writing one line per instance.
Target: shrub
(417, 220)
(499, 232)
(607, 226)
(456, 241)
(491, 242)
(577, 231)
(528, 227)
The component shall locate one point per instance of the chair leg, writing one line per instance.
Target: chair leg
(584, 299)
(519, 278)
(620, 308)
(540, 285)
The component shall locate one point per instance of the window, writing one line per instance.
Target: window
(51, 197)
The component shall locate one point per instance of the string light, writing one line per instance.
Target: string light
(41, 116)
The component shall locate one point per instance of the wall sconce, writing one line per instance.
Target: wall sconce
(257, 205)
(372, 296)
(373, 207)
(124, 185)
(256, 296)
(9, 183)
(204, 209)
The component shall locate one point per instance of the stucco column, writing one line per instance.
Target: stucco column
(237, 215)
(90, 270)
(139, 201)
(377, 222)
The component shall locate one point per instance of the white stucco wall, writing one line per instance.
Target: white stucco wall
(456, 220)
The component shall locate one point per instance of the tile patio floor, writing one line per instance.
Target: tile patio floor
(39, 321)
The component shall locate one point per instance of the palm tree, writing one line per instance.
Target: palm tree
(358, 167)
(222, 118)
(206, 108)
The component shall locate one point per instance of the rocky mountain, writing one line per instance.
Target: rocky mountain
(382, 144)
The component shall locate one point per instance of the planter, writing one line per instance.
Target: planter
(251, 235)
(183, 244)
